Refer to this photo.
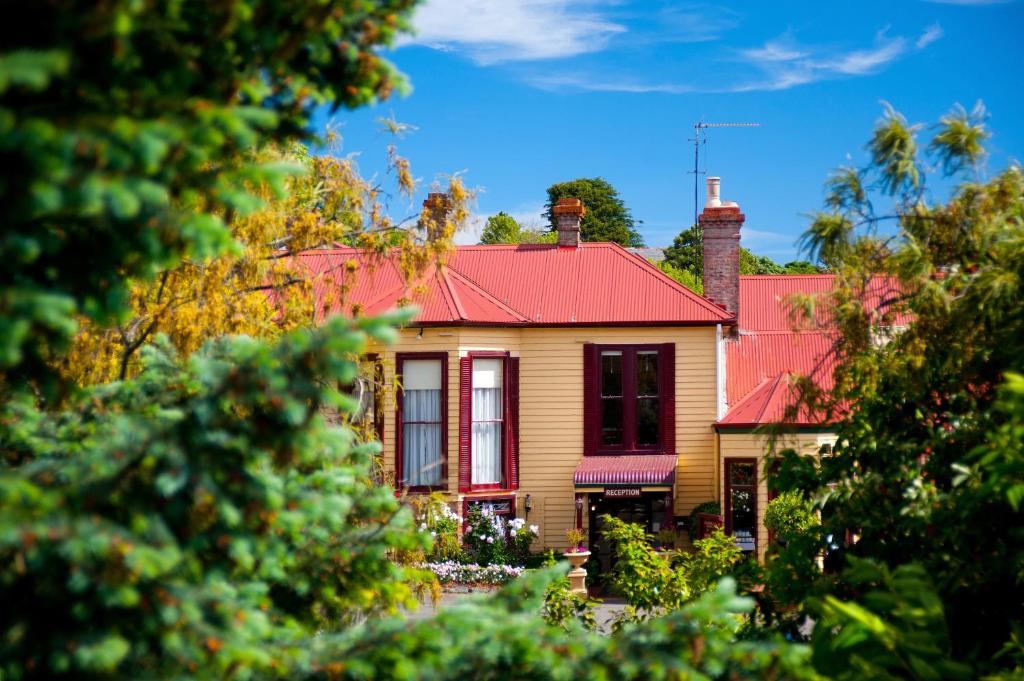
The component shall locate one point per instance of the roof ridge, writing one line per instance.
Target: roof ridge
(454, 296)
(771, 396)
(655, 272)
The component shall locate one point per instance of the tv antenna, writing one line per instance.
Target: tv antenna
(700, 137)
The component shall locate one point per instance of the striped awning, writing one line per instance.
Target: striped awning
(647, 469)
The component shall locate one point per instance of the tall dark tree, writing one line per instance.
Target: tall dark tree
(607, 217)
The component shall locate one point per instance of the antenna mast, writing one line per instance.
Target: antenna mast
(698, 137)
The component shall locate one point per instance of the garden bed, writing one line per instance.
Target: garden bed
(451, 574)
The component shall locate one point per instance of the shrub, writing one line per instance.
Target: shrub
(789, 514)
(712, 559)
(435, 517)
(574, 538)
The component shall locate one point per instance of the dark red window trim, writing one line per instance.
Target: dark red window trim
(728, 496)
(510, 425)
(592, 399)
(466, 501)
(378, 403)
(400, 359)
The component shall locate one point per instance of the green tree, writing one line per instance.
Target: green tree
(607, 218)
(202, 519)
(927, 476)
(126, 127)
(501, 229)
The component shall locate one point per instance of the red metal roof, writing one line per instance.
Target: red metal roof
(650, 469)
(767, 352)
(537, 284)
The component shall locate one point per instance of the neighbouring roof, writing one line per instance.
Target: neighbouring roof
(509, 285)
(642, 469)
(652, 253)
(762, 361)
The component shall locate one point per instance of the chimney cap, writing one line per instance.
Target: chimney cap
(569, 206)
(714, 196)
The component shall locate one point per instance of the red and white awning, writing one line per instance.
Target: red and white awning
(645, 469)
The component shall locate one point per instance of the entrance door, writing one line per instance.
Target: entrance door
(648, 511)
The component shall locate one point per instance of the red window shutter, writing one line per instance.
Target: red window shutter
(465, 422)
(513, 422)
(591, 400)
(667, 397)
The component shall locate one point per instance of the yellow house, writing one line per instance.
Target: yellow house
(560, 382)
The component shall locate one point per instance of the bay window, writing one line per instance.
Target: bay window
(422, 420)
(629, 404)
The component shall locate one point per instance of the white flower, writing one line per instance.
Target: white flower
(490, 540)
(423, 526)
(512, 532)
(535, 530)
(433, 534)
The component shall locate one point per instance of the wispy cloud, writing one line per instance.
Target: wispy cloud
(603, 83)
(494, 31)
(930, 35)
(784, 64)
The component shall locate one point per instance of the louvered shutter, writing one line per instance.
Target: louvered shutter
(667, 365)
(513, 422)
(591, 401)
(465, 423)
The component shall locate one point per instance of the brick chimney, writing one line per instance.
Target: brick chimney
(721, 223)
(568, 214)
(435, 211)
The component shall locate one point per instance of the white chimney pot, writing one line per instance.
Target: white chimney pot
(714, 199)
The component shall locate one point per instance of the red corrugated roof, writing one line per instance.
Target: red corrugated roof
(767, 352)
(651, 469)
(595, 284)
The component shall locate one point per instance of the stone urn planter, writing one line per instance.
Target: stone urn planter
(577, 576)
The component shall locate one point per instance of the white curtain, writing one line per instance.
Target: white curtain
(421, 442)
(487, 421)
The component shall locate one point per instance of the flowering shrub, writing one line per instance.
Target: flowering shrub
(436, 518)
(490, 540)
(450, 572)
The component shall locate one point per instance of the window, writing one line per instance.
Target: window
(629, 399)
(488, 421)
(369, 415)
(741, 502)
(421, 417)
(503, 508)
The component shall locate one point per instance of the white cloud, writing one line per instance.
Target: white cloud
(603, 83)
(493, 31)
(930, 35)
(785, 65)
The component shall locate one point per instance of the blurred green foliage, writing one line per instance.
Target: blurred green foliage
(124, 129)
(922, 530)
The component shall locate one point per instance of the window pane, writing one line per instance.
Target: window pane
(421, 405)
(611, 422)
(486, 445)
(647, 421)
(741, 474)
(487, 373)
(611, 374)
(744, 519)
(421, 374)
(421, 445)
(647, 373)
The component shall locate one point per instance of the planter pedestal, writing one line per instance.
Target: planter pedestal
(577, 576)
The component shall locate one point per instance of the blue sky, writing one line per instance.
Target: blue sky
(518, 94)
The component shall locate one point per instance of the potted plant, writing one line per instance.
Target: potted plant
(576, 554)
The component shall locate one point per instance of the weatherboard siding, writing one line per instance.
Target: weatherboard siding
(551, 408)
(754, 446)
